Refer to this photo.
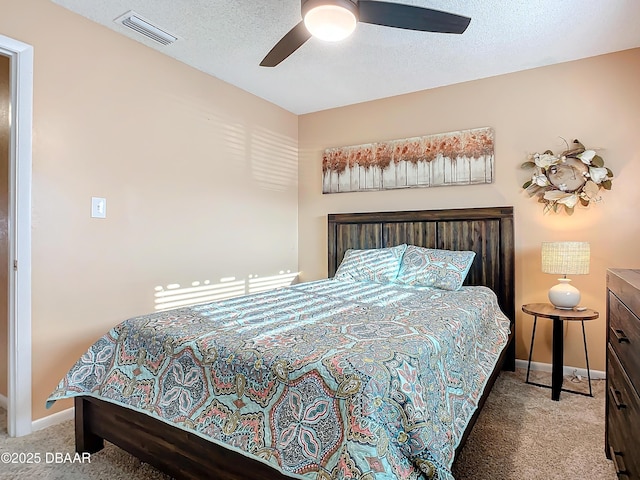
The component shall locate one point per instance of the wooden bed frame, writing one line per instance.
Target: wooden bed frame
(183, 455)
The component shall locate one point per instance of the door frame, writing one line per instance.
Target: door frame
(19, 275)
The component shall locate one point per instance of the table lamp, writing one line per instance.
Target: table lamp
(565, 258)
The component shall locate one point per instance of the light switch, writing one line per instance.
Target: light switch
(98, 207)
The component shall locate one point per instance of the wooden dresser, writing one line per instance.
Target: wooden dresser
(622, 432)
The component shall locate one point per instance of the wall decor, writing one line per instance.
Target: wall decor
(561, 181)
(454, 158)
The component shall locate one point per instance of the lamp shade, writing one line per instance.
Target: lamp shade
(565, 258)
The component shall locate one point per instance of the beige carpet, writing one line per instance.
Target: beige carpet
(521, 434)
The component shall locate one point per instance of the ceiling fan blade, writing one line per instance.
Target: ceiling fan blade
(411, 17)
(287, 45)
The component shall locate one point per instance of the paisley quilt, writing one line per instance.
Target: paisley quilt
(322, 380)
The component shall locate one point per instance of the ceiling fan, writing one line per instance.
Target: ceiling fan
(336, 19)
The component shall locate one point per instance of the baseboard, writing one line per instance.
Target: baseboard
(4, 401)
(567, 371)
(53, 419)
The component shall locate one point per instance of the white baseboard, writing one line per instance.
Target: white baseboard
(546, 367)
(52, 419)
(4, 401)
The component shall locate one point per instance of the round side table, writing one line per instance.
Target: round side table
(546, 310)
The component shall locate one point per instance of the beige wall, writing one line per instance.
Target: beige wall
(596, 100)
(200, 180)
(4, 208)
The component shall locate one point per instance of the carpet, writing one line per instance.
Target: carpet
(521, 434)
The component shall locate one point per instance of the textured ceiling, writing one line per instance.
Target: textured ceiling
(228, 38)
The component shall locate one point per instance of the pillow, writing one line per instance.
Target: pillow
(428, 267)
(379, 265)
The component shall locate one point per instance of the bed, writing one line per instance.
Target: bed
(347, 401)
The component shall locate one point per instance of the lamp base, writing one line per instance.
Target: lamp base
(564, 295)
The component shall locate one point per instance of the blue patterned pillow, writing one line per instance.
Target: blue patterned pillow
(379, 265)
(428, 267)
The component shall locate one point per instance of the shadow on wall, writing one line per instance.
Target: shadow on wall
(274, 160)
(174, 295)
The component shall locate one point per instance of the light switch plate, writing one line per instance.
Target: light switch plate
(98, 207)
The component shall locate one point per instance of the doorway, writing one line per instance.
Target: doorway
(18, 260)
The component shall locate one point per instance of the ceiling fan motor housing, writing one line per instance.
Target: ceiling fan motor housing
(351, 5)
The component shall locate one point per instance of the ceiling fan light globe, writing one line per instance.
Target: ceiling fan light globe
(330, 22)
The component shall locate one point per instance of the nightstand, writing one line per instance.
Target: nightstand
(546, 310)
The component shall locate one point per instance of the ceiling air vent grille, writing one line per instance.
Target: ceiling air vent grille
(135, 22)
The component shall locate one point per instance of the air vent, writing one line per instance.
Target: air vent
(135, 22)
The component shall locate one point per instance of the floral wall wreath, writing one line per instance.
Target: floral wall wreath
(576, 175)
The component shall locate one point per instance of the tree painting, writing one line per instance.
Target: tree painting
(455, 158)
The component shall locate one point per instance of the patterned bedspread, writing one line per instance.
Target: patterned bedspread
(322, 380)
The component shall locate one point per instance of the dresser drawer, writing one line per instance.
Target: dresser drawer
(623, 418)
(624, 336)
(625, 283)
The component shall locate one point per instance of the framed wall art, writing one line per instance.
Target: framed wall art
(454, 158)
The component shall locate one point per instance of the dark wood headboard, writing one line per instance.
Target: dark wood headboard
(486, 231)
